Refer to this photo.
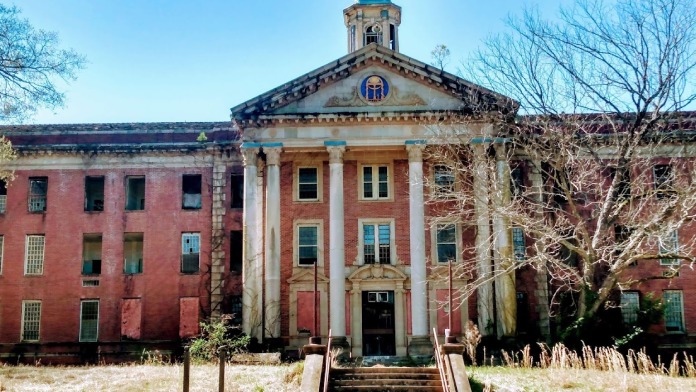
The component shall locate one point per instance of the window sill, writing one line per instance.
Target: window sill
(197, 273)
(307, 201)
(134, 210)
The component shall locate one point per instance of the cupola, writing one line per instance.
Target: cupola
(373, 21)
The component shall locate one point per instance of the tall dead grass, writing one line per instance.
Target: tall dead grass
(599, 358)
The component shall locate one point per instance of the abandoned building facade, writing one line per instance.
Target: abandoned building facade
(119, 236)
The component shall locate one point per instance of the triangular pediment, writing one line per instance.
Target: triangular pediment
(373, 79)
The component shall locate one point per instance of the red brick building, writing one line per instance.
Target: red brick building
(119, 237)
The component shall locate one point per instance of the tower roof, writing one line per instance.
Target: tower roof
(372, 1)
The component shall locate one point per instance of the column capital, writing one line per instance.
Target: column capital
(272, 155)
(415, 152)
(336, 153)
(249, 155)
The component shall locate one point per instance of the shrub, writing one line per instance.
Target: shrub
(216, 335)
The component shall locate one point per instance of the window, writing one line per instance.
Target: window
(133, 253)
(135, 193)
(237, 184)
(623, 187)
(669, 244)
(307, 245)
(630, 305)
(375, 181)
(663, 180)
(236, 251)
(446, 239)
(191, 192)
(31, 321)
(376, 242)
(236, 310)
(443, 177)
(34, 255)
(373, 34)
(516, 181)
(308, 183)
(568, 255)
(190, 251)
(91, 254)
(519, 248)
(38, 188)
(3, 196)
(352, 39)
(2, 248)
(89, 320)
(674, 310)
(94, 193)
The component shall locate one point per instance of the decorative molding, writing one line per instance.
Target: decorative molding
(336, 153)
(415, 152)
(393, 99)
(249, 155)
(272, 155)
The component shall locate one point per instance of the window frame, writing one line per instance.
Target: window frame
(662, 249)
(319, 224)
(200, 192)
(92, 238)
(23, 330)
(141, 262)
(361, 240)
(82, 319)
(459, 246)
(37, 197)
(319, 183)
(2, 251)
(375, 184)
(38, 269)
(3, 196)
(94, 207)
(444, 190)
(663, 185)
(681, 328)
(373, 31)
(143, 201)
(237, 191)
(196, 235)
(630, 309)
(517, 233)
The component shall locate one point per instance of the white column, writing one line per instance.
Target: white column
(272, 250)
(505, 296)
(337, 275)
(251, 295)
(542, 288)
(419, 296)
(484, 301)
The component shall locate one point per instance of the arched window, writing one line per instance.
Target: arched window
(373, 34)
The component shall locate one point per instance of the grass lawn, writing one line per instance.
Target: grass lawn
(281, 378)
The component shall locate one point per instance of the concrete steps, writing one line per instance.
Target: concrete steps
(377, 379)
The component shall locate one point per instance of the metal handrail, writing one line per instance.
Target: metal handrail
(327, 364)
(440, 363)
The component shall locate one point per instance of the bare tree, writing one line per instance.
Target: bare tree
(30, 64)
(609, 180)
(440, 56)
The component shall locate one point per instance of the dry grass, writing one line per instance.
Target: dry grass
(146, 378)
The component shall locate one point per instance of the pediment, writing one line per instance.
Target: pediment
(306, 275)
(345, 85)
(377, 272)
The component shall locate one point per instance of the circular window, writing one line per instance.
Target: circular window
(374, 89)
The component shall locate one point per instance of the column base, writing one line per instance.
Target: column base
(340, 342)
(420, 347)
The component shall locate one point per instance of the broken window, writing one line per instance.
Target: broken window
(91, 254)
(89, 320)
(622, 191)
(133, 253)
(191, 189)
(516, 181)
(31, 321)
(38, 188)
(237, 184)
(190, 251)
(135, 193)
(3, 196)
(236, 251)
(664, 181)
(94, 193)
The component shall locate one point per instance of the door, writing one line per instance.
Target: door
(378, 323)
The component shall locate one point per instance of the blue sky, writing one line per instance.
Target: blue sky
(191, 60)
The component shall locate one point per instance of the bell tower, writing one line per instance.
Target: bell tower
(371, 21)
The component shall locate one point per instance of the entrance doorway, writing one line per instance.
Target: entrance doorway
(378, 323)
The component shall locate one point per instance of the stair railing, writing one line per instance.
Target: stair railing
(439, 360)
(327, 363)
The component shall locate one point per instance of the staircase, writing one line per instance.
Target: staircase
(377, 379)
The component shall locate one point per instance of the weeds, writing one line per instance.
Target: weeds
(472, 338)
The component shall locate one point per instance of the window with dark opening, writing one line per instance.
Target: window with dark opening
(373, 34)
(663, 181)
(38, 188)
(236, 251)
(623, 187)
(3, 196)
(133, 253)
(191, 190)
(94, 193)
(237, 185)
(308, 244)
(135, 193)
(392, 35)
(516, 181)
(308, 183)
(91, 254)
(190, 251)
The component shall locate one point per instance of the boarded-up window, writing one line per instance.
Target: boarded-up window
(305, 312)
(443, 311)
(131, 317)
(188, 317)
